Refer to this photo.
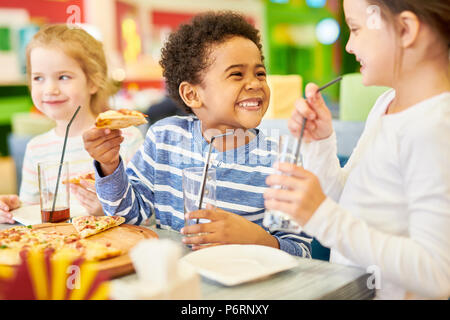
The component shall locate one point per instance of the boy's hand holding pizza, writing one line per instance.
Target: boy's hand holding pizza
(103, 141)
(104, 145)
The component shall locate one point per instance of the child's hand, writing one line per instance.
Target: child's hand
(7, 203)
(87, 197)
(300, 196)
(104, 145)
(319, 119)
(224, 228)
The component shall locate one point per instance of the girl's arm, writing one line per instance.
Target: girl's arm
(29, 187)
(420, 260)
(319, 152)
(320, 158)
(419, 263)
(86, 195)
(319, 140)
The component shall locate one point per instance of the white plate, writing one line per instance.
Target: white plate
(235, 264)
(31, 215)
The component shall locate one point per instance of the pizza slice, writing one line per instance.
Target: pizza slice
(89, 250)
(95, 251)
(9, 256)
(118, 119)
(15, 240)
(89, 225)
(89, 177)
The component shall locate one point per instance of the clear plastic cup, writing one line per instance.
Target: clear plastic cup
(192, 181)
(54, 210)
(274, 219)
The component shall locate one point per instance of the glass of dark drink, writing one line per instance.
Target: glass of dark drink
(55, 202)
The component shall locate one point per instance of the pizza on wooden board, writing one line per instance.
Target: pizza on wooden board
(118, 119)
(15, 240)
(89, 225)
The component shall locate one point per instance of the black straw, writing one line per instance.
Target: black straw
(299, 141)
(205, 173)
(329, 83)
(206, 167)
(61, 162)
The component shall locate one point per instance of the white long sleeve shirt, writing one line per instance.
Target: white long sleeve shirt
(388, 209)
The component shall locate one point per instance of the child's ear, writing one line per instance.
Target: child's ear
(190, 95)
(92, 87)
(409, 26)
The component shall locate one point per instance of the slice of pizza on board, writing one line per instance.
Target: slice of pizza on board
(89, 225)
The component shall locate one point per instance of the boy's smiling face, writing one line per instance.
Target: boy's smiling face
(233, 93)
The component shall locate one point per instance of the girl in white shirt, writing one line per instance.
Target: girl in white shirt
(388, 209)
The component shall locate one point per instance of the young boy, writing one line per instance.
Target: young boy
(214, 69)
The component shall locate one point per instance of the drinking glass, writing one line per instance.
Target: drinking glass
(48, 173)
(192, 181)
(275, 219)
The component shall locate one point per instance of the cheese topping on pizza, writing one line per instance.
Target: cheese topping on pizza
(15, 240)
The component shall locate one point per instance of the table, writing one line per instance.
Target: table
(311, 279)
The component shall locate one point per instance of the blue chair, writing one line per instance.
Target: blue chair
(319, 252)
(347, 135)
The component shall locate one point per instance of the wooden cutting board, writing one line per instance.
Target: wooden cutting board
(123, 237)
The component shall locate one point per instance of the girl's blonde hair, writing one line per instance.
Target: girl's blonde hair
(86, 50)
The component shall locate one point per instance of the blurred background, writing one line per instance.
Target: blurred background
(303, 41)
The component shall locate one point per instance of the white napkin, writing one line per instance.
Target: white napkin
(160, 273)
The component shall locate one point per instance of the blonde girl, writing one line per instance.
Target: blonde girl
(66, 68)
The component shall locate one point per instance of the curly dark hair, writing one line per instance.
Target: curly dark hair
(185, 54)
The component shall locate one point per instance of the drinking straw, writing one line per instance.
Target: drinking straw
(299, 141)
(61, 162)
(206, 167)
(329, 84)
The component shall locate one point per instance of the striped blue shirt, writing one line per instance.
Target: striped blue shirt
(152, 182)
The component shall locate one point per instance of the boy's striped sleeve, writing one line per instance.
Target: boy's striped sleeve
(129, 193)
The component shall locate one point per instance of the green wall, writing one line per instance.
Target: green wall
(292, 47)
(13, 99)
